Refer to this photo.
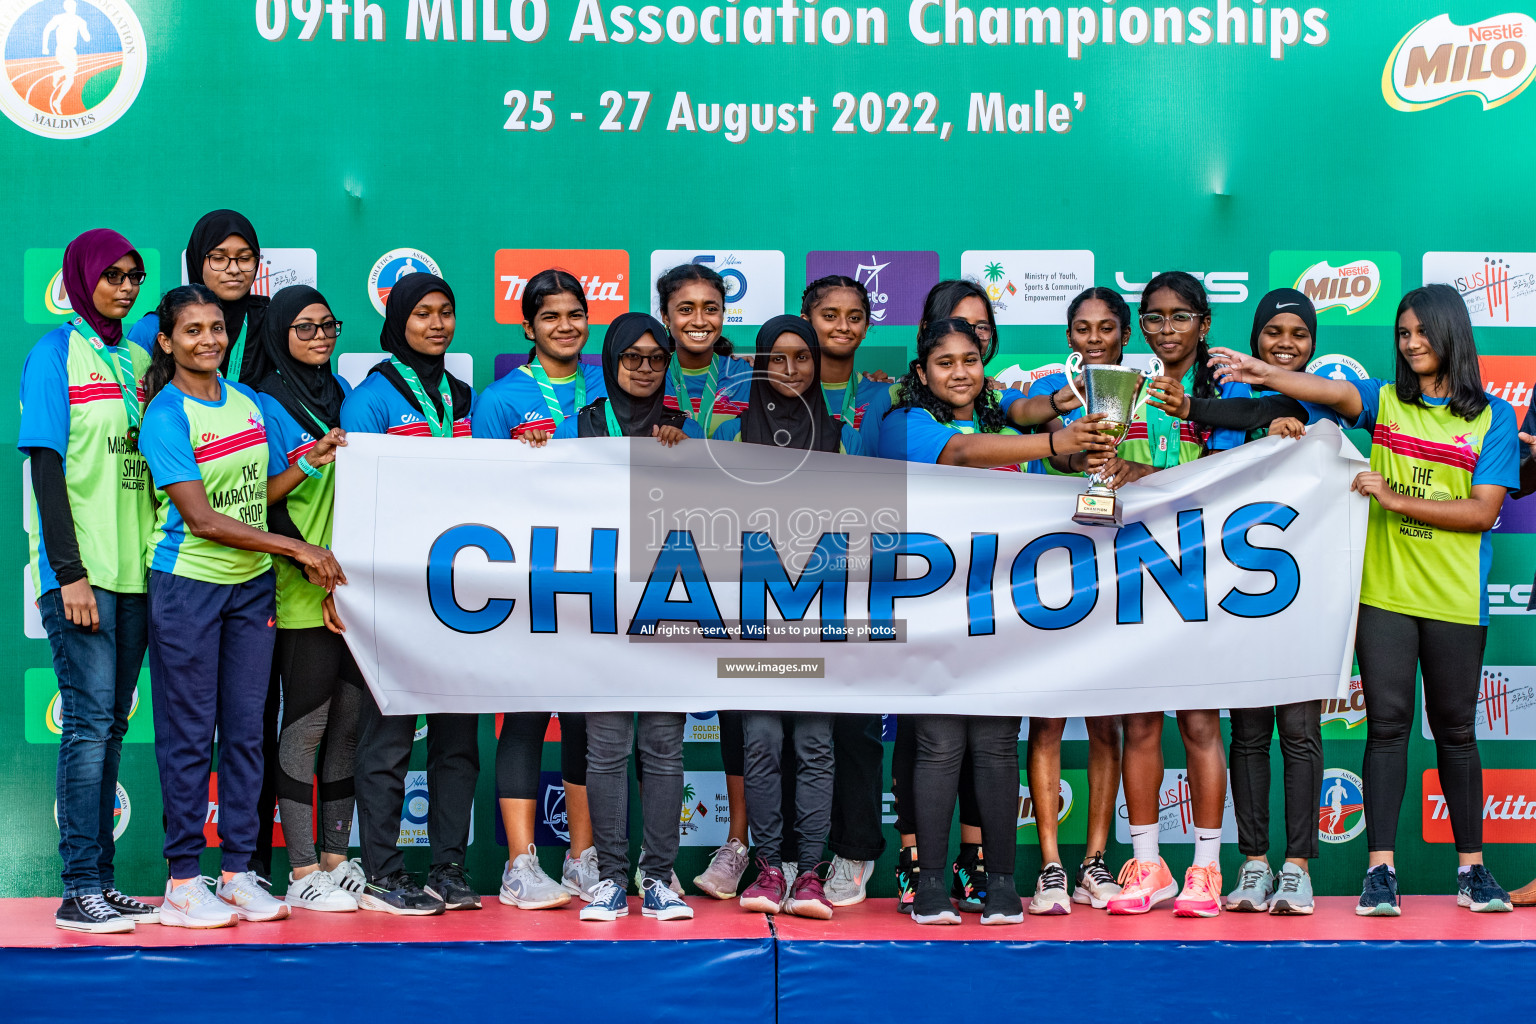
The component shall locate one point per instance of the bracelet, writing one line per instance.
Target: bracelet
(1054, 407)
(1050, 435)
(309, 471)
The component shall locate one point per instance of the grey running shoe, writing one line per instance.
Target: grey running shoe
(1255, 885)
(723, 876)
(525, 885)
(578, 875)
(1295, 893)
(848, 881)
(249, 899)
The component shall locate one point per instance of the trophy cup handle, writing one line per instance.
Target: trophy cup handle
(1154, 369)
(1074, 367)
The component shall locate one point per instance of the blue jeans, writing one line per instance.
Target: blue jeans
(97, 673)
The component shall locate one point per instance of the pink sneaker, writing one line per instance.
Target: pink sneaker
(1144, 884)
(766, 894)
(1202, 893)
(808, 898)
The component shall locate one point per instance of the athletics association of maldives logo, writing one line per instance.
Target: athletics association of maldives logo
(1439, 60)
(1341, 806)
(72, 67)
(391, 267)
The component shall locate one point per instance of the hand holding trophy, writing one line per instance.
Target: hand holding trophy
(1118, 392)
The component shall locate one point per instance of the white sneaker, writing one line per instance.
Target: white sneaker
(525, 885)
(848, 881)
(193, 905)
(245, 895)
(1051, 892)
(579, 874)
(349, 875)
(319, 891)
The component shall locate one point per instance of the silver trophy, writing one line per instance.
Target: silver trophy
(1118, 392)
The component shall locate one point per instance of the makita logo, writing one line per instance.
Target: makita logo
(1439, 60)
(1509, 812)
(596, 289)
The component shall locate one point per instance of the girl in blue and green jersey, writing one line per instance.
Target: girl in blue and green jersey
(322, 689)
(1444, 454)
(211, 601)
(88, 519)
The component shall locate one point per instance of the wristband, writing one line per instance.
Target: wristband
(1054, 407)
(1050, 435)
(309, 471)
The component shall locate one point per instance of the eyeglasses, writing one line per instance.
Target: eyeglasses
(218, 261)
(306, 332)
(114, 277)
(984, 330)
(657, 360)
(1152, 323)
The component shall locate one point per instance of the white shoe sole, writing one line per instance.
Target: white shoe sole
(1002, 918)
(1246, 906)
(170, 917)
(350, 906)
(1055, 906)
(143, 918)
(1159, 898)
(670, 914)
(588, 914)
(942, 917)
(558, 900)
(760, 905)
(367, 902)
(118, 927)
(577, 891)
(282, 912)
(1281, 908)
(809, 909)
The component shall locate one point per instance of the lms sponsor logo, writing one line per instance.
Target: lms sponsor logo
(1343, 286)
(1499, 288)
(1509, 807)
(1029, 286)
(1439, 60)
(754, 280)
(1506, 704)
(1341, 808)
(45, 302)
(391, 267)
(603, 273)
(896, 281)
(1175, 812)
(1343, 716)
(704, 819)
(1220, 285)
(72, 67)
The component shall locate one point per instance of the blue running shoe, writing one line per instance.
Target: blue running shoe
(663, 904)
(1379, 896)
(1478, 892)
(608, 903)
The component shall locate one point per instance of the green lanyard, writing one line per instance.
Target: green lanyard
(614, 430)
(542, 379)
(441, 427)
(237, 356)
(119, 364)
(706, 401)
(850, 400)
(1163, 430)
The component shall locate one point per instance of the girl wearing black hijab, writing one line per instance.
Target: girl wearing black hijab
(635, 360)
(413, 394)
(785, 405)
(322, 689)
(224, 254)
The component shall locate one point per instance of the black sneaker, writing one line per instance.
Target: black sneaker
(1002, 904)
(132, 909)
(450, 884)
(931, 904)
(400, 895)
(1478, 892)
(1378, 898)
(90, 913)
(906, 879)
(967, 884)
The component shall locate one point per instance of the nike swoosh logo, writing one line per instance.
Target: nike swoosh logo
(1286, 305)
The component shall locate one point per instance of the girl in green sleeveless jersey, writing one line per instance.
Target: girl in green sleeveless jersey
(88, 518)
(1444, 454)
(211, 608)
(1175, 317)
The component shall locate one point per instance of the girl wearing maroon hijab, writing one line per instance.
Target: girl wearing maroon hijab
(89, 523)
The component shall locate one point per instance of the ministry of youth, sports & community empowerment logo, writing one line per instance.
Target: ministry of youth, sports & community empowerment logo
(72, 67)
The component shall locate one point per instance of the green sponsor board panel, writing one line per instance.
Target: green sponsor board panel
(1346, 287)
(45, 302)
(1072, 827)
(44, 715)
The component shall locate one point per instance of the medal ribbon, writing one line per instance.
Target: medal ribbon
(441, 426)
(707, 400)
(119, 364)
(547, 387)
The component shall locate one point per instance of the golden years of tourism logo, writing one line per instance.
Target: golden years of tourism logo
(1439, 60)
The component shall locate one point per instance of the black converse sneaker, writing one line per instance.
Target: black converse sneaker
(132, 909)
(90, 913)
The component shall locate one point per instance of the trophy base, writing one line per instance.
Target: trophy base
(1098, 510)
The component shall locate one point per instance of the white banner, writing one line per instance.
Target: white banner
(607, 574)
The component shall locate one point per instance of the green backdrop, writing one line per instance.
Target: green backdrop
(1216, 157)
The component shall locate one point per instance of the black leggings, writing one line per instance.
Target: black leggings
(944, 744)
(903, 753)
(520, 749)
(1301, 752)
(1390, 646)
